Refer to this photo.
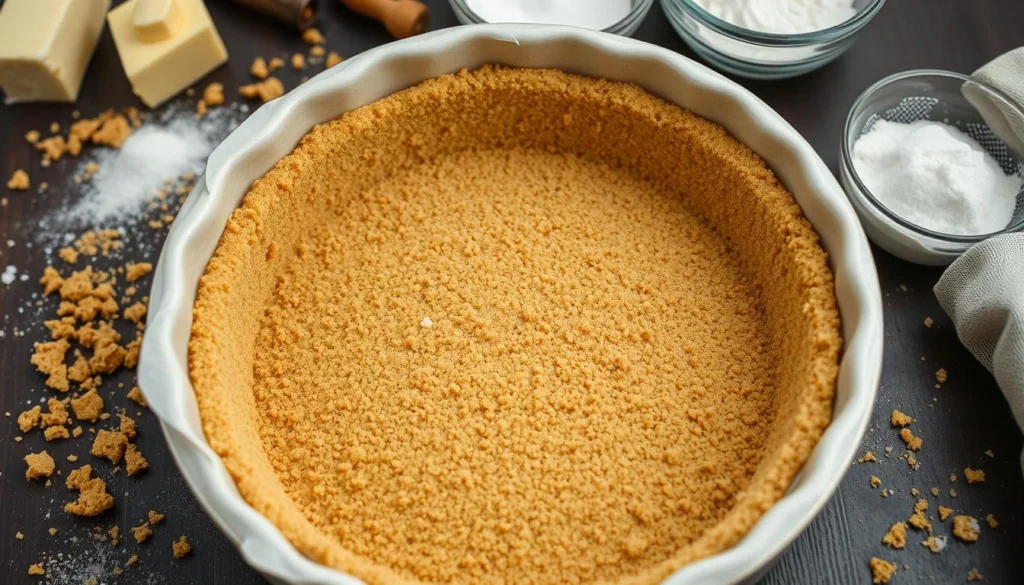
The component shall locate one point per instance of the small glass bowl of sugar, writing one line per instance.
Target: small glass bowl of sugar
(926, 174)
(770, 39)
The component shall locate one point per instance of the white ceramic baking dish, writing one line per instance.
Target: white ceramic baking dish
(274, 130)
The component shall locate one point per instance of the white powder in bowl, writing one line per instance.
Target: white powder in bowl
(781, 16)
(935, 176)
(592, 14)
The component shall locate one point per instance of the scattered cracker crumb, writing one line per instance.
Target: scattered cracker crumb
(974, 475)
(992, 523)
(259, 68)
(213, 95)
(36, 569)
(52, 531)
(897, 536)
(135, 271)
(19, 535)
(68, 254)
(268, 89)
(39, 465)
(912, 461)
(276, 63)
(898, 419)
(952, 493)
(57, 415)
(131, 560)
(881, 571)
(136, 312)
(935, 492)
(135, 395)
(19, 181)
(332, 59)
(974, 575)
(93, 498)
(115, 535)
(88, 406)
(128, 426)
(72, 458)
(109, 444)
(869, 456)
(181, 547)
(298, 61)
(966, 528)
(51, 281)
(117, 570)
(134, 461)
(154, 517)
(29, 419)
(317, 51)
(913, 442)
(915, 492)
(54, 433)
(941, 376)
(49, 359)
(142, 532)
(875, 481)
(944, 513)
(934, 543)
(928, 322)
(32, 136)
(313, 36)
(918, 520)
(113, 132)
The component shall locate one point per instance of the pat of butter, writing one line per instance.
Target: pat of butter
(46, 45)
(165, 45)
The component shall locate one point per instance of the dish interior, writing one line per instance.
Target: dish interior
(515, 325)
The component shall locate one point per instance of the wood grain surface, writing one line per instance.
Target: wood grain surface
(959, 421)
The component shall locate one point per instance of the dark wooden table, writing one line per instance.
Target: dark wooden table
(959, 422)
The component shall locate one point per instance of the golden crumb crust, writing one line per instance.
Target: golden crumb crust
(515, 325)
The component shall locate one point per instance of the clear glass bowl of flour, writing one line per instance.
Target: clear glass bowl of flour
(936, 96)
(770, 39)
(621, 17)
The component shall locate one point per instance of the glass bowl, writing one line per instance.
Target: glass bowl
(923, 95)
(760, 55)
(625, 26)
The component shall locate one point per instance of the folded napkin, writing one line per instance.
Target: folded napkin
(983, 290)
(1006, 74)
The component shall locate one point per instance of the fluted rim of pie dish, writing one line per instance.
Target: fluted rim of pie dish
(273, 131)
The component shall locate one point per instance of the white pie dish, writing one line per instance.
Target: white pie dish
(272, 132)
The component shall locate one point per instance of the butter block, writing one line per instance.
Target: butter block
(45, 47)
(165, 45)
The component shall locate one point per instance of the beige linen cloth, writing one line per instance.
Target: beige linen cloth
(983, 290)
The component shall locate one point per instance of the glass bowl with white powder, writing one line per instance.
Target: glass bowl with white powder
(621, 17)
(926, 174)
(770, 39)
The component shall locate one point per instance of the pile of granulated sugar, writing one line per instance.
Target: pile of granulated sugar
(115, 185)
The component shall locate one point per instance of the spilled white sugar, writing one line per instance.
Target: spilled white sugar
(935, 176)
(174, 144)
